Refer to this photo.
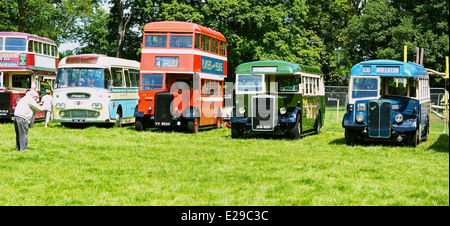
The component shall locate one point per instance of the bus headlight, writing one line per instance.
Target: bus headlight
(97, 105)
(361, 107)
(60, 105)
(150, 108)
(283, 110)
(360, 117)
(399, 117)
(242, 110)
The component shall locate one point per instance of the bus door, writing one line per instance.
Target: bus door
(183, 88)
(309, 107)
(130, 100)
(207, 103)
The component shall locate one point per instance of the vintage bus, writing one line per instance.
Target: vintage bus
(387, 100)
(278, 97)
(27, 62)
(183, 67)
(93, 88)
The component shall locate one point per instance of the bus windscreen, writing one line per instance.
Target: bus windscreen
(82, 77)
(364, 87)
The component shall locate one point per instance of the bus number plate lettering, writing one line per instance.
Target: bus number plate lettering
(162, 123)
(78, 120)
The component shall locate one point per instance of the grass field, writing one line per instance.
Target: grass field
(119, 166)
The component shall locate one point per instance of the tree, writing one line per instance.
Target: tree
(384, 27)
(57, 19)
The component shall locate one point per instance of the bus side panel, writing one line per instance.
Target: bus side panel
(322, 110)
(425, 110)
(309, 111)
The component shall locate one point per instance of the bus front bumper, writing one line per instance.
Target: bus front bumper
(282, 125)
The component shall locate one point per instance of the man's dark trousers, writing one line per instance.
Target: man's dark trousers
(21, 127)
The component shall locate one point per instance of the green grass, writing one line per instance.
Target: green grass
(119, 166)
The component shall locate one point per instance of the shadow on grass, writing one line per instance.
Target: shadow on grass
(269, 136)
(441, 144)
(341, 141)
(171, 129)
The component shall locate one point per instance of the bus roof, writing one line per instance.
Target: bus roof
(83, 59)
(180, 26)
(389, 68)
(28, 36)
(275, 67)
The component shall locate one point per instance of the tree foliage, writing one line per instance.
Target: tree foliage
(54, 19)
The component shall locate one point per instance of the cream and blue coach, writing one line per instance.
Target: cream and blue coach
(96, 89)
(387, 100)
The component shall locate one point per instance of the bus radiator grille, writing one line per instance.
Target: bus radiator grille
(5, 100)
(163, 115)
(263, 113)
(79, 113)
(379, 119)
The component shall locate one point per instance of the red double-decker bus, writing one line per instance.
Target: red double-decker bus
(183, 67)
(27, 62)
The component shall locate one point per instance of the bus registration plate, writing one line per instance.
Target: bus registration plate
(162, 123)
(78, 120)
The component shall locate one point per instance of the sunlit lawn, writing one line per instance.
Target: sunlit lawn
(119, 166)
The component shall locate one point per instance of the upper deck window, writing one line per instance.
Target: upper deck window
(1, 43)
(16, 44)
(180, 41)
(155, 41)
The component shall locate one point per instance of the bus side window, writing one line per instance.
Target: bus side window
(203, 42)
(134, 77)
(412, 88)
(35, 47)
(30, 46)
(117, 76)
(127, 78)
(197, 41)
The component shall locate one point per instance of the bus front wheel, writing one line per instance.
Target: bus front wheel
(139, 125)
(236, 131)
(413, 139)
(193, 126)
(118, 122)
(350, 138)
(296, 132)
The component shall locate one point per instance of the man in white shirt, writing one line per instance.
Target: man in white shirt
(46, 103)
(23, 114)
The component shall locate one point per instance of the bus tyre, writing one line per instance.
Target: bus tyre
(296, 132)
(236, 131)
(413, 139)
(219, 119)
(139, 125)
(350, 138)
(427, 131)
(318, 125)
(218, 122)
(192, 126)
(118, 122)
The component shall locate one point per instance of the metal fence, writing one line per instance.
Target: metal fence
(335, 94)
